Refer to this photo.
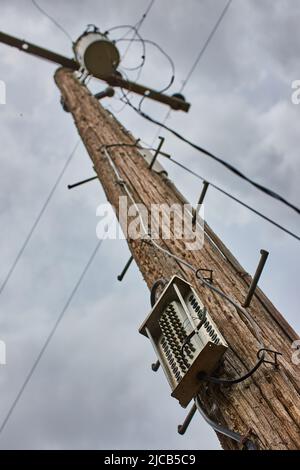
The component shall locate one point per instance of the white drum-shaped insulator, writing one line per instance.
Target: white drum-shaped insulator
(99, 56)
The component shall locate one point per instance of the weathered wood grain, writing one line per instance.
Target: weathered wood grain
(266, 406)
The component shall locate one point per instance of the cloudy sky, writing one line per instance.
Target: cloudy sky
(94, 387)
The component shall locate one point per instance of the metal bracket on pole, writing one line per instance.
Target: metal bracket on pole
(156, 152)
(116, 80)
(243, 440)
(201, 200)
(107, 93)
(255, 280)
(183, 427)
(71, 186)
(64, 105)
(275, 362)
(155, 366)
(121, 276)
(208, 279)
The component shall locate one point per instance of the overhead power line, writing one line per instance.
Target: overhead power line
(37, 220)
(226, 193)
(139, 38)
(206, 44)
(53, 20)
(146, 13)
(138, 26)
(197, 60)
(49, 338)
(222, 162)
(162, 51)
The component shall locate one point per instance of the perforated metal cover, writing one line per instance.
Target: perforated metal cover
(176, 314)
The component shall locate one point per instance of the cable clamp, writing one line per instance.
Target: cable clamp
(246, 442)
(121, 182)
(209, 278)
(275, 362)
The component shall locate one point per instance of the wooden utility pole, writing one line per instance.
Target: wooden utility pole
(265, 406)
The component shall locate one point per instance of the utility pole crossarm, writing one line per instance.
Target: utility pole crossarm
(267, 405)
(172, 101)
(114, 80)
(37, 51)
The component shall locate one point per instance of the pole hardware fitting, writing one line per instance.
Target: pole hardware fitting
(243, 274)
(261, 356)
(155, 366)
(200, 201)
(245, 441)
(115, 80)
(91, 28)
(153, 292)
(121, 183)
(147, 240)
(127, 265)
(181, 428)
(209, 278)
(104, 147)
(71, 186)
(275, 362)
(263, 258)
(106, 93)
(64, 104)
(157, 151)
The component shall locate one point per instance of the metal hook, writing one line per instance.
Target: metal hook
(208, 279)
(274, 363)
(121, 276)
(155, 366)
(71, 186)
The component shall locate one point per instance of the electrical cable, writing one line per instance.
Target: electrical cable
(147, 237)
(138, 27)
(37, 220)
(206, 44)
(143, 41)
(219, 160)
(127, 26)
(241, 310)
(197, 60)
(167, 56)
(129, 89)
(220, 381)
(49, 338)
(217, 427)
(162, 90)
(218, 188)
(140, 67)
(139, 24)
(159, 283)
(249, 445)
(163, 52)
(143, 57)
(62, 29)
